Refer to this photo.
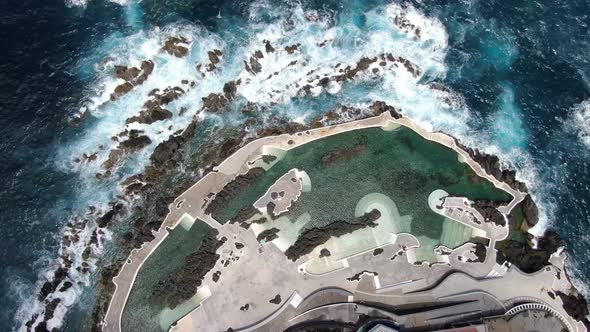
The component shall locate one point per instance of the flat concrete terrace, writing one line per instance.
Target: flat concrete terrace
(242, 299)
(193, 202)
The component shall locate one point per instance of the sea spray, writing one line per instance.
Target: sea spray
(579, 122)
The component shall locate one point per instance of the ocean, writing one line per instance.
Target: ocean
(510, 78)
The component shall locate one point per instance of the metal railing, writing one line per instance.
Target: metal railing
(540, 306)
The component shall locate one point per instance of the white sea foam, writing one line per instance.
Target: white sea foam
(576, 271)
(509, 141)
(509, 130)
(75, 3)
(168, 71)
(78, 279)
(579, 122)
(120, 2)
(83, 3)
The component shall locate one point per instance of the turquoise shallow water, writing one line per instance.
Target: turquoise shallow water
(518, 72)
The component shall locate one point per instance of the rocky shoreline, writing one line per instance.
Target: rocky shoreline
(141, 203)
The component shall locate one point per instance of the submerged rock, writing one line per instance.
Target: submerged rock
(343, 154)
(268, 158)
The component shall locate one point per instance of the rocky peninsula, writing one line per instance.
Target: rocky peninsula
(149, 198)
(512, 251)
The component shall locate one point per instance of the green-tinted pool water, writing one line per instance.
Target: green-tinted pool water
(399, 164)
(145, 313)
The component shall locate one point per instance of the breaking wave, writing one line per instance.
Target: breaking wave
(83, 3)
(579, 122)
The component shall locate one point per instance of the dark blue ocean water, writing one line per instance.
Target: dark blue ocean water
(41, 42)
(521, 67)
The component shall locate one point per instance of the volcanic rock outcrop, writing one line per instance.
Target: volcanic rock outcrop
(183, 283)
(405, 25)
(527, 258)
(132, 76)
(491, 164)
(244, 214)
(152, 109)
(135, 142)
(217, 102)
(176, 46)
(231, 189)
(268, 235)
(310, 238)
(489, 211)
